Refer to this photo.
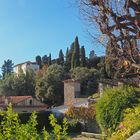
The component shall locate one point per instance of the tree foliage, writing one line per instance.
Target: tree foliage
(7, 67)
(45, 60)
(82, 57)
(101, 66)
(68, 60)
(128, 126)
(84, 115)
(12, 129)
(67, 63)
(119, 21)
(39, 61)
(50, 86)
(49, 60)
(109, 109)
(93, 62)
(87, 78)
(75, 62)
(23, 84)
(61, 57)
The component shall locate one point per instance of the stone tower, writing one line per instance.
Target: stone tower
(71, 91)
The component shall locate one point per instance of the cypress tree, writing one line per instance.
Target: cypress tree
(49, 60)
(7, 67)
(39, 61)
(67, 55)
(83, 57)
(67, 64)
(75, 62)
(61, 57)
(70, 53)
(44, 60)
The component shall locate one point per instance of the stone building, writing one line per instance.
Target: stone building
(109, 83)
(106, 83)
(72, 92)
(26, 66)
(92, 55)
(22, 103)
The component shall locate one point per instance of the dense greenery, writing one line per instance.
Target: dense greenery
(75, 62)
(119, 23)
(83, 62)
(87, 78)
(50, 85)
(45, 60)
(39, 61)
(12, 129)
(47, 83)
(23, 84)
(61, 57)
(75, 56)
(129, 125)
(7, 67)
(109, 109)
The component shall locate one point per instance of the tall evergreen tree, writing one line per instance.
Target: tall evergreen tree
(7, 67)
(44, 60)
(70, 54)
(61, 57)
(75, 62)
(39, 61)
(49, 60)
(67, 64)
(67, 55)
(82, 57)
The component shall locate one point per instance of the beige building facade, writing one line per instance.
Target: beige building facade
(22, 103)
(26, 66)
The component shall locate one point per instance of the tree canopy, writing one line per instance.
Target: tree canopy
(7, 67)
(50, 86)
(119, 24)
(75, 62)
(23, 84)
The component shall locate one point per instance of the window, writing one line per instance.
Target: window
(30, 102)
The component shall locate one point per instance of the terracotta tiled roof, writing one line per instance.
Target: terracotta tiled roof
(28, 62)
(13, 99)
(18, 99)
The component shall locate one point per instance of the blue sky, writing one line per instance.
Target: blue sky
(37, 27)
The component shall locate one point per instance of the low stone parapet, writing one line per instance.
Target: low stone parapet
(136, 136)
(93, 135)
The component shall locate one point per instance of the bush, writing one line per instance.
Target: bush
(42, 119)
(109, 109)
(12, 129)
(74, 127)
(83, 115)
(129, 125)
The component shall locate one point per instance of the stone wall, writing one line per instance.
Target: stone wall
(71, 92)
(29, 108)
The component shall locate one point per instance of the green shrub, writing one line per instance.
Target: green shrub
(129, 125)
(42, 119)
(12, 129)
(109, 109)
